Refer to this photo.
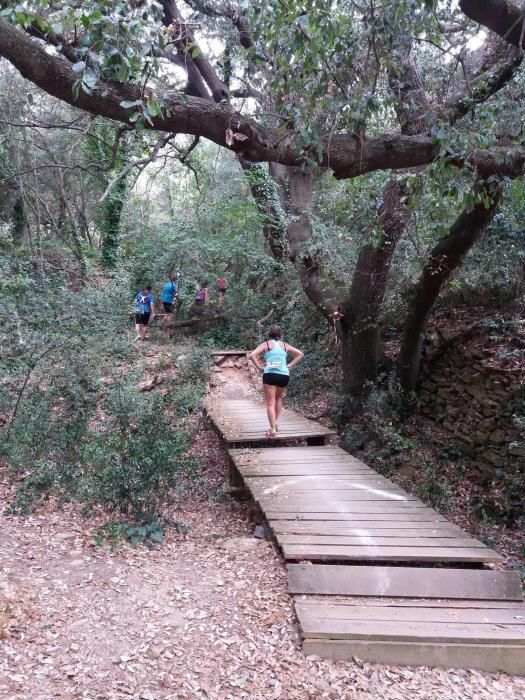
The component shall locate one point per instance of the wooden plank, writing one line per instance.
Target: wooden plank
(313, 611)
(267, 451)
(305, 466)
(273, 452)
(422, 515)
(270, 455)
(331, 501)
(309, 497)
(393, 631)
(360, 516)
(338, 529)
(326, 510)
(404, 582)
(366, 540)
(308, 482)
(517, 607)
(297, 552)
(251, 472)
(507, 658)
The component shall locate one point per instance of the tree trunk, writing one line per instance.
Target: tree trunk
(269, 193)
(112, 213)
(361, 352)
(361, 331)
(445, 257)
(19, 221)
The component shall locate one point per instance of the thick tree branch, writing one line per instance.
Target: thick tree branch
(502, 17)
(347, 155)
(494, 74)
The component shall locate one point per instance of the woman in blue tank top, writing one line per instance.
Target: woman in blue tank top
(276, 372)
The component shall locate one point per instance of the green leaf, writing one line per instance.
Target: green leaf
(153, 108)
(127, 104)
(78, 68)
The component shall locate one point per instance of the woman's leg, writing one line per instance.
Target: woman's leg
(269, 397)
(279, 391)
(138, 327)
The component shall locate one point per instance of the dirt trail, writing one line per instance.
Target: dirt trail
(205, 615)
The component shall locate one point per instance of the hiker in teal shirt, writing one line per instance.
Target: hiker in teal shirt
(169, 292)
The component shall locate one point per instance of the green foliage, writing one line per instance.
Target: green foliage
(136, 456)
(435, 492)
(116, 39)
(148, 531)
(77, 427)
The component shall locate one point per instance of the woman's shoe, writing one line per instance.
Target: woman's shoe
(271, 434)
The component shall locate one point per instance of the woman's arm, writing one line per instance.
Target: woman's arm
(296, 354)
(253, 356)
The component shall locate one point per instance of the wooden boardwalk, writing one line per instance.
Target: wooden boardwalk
(243, 421)
(374, 572)
(335, 484)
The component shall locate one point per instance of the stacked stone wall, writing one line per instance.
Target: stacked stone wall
(483, 407)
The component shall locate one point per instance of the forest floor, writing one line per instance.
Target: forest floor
(204, 615)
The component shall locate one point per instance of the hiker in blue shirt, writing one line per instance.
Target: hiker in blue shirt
(169, 292)
(144, 311)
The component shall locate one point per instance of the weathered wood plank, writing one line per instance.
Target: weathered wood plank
(422, 515)
(404, 582)
(366, 509)
(507, 658)
(320, 611)
(317, 552)
(393, 631)
(378, 541)
(343, 496)
(316, 483)
(338, 528)
(329, 502)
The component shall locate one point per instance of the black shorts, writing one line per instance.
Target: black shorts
(276, 379)
(222, 291)
(142, 319)
(167, 307)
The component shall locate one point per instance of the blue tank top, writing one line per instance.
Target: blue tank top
(276, 359)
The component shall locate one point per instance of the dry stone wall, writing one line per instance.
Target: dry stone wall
(481, 405)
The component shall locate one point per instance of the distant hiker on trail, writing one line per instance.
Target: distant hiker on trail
(276, 372)
(144, 311)
(222, 284)
(201, 293)
(169, 292)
